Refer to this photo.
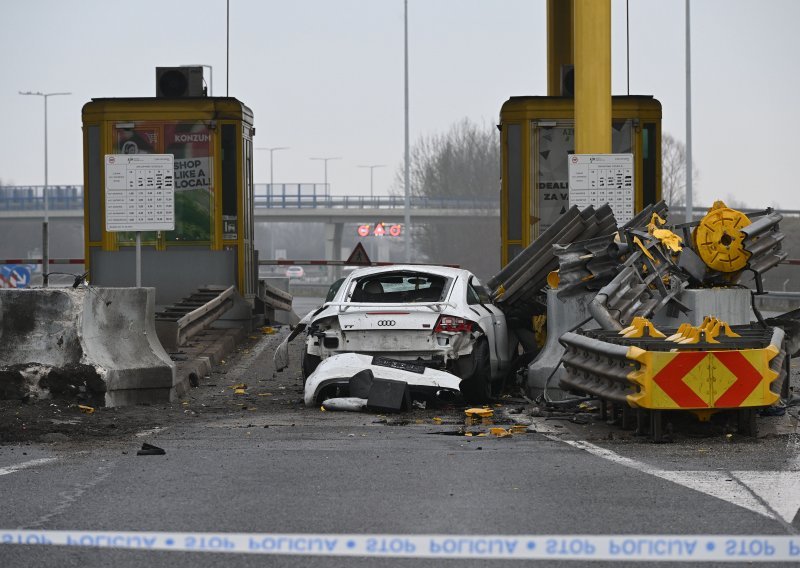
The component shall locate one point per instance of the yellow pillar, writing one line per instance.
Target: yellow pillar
(592, 34)
(559, 42)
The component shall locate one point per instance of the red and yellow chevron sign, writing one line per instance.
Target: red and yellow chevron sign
(703, 379)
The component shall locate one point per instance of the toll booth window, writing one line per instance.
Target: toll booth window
(554, 142)
(514, 182)
(190, 143)
(622, 137)
(229, 160)
(137, 138)
(649, 163)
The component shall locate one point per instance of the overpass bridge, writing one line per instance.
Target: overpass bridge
(278, 203)
(282, 203)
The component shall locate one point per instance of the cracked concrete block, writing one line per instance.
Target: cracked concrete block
(99, 343)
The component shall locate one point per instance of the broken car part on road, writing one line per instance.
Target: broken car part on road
(332, 379)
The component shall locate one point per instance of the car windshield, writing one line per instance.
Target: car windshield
(399, 287)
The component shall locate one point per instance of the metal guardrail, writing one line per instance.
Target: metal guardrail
(274, 297)
(31, 198)
(177, 323)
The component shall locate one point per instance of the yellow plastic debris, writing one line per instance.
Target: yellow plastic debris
(239, 386)
(86, 409)
(519, 429)
(239, 391)
(267, 330)
(322, 409)
(669, 239)
(500, 432)
(553, 279)
(437, 420)
(479, 412)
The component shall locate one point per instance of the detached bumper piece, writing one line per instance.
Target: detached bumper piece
(704, 369)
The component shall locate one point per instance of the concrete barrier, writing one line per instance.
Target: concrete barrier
(97, 344)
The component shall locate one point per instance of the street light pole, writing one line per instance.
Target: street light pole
(271, 150)
(326, 168)
(371, 170)
(46, 222)
(407, 175)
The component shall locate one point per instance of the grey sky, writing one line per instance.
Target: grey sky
(326, 78)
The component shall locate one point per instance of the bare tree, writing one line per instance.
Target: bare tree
(462, 164)
(673, 171)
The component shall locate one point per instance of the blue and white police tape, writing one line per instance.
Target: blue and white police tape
(684, 548)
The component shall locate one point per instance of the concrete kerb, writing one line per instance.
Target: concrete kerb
(96, 343)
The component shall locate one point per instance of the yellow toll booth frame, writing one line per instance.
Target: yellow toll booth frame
(198, 130)
(525, 208)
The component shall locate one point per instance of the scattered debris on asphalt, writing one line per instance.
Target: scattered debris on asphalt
(150, 450)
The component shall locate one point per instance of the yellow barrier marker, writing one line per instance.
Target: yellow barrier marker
(86, 409)
(637, 327)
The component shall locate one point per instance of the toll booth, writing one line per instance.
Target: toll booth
(211, 139)
(538, 135)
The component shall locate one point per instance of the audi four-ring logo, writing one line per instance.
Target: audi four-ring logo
(387, 323)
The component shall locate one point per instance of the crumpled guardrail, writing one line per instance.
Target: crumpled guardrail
(517, 288)
(762, 240)
(657, 373)
(599, 368)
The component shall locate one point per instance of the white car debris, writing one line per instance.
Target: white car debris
(435, 316)
(331, 378)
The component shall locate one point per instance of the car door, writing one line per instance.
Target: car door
(493, 323)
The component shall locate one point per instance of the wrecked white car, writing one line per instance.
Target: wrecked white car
(332, 376)
(435, 316)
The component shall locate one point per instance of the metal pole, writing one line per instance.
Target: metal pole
(227, 45)
(271, 177)
(138, 259)
(407, 200)
(46, 223)
(371, 171)
(326, 169)
(689, 201)
(628, 46)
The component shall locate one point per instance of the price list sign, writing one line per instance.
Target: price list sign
(597, 179)
(140, 192)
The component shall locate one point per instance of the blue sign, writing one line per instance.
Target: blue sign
(15, 276)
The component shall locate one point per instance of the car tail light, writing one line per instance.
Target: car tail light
(453, 324)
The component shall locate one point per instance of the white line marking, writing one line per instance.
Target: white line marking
(773, 494)
(25, 465)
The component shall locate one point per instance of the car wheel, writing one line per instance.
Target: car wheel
(476, 386)
(309, 364)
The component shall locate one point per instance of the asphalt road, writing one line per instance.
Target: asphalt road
(262, 463)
